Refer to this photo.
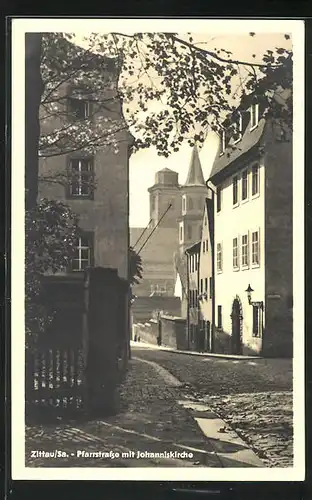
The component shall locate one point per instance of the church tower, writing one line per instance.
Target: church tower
(193, 194)
(164, 192)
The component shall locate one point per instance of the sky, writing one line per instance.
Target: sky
(144, 164)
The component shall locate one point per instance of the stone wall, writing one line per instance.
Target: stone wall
(144, 307)
(172, 332)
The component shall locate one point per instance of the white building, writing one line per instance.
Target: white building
(253, 239)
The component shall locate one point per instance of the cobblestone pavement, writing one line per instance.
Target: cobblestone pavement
(150, 419)
(253, 397)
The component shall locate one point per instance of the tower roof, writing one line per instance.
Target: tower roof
(195, 175)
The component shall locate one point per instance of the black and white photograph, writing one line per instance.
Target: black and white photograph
(157, 249)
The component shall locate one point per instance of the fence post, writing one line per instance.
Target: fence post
(101, 371)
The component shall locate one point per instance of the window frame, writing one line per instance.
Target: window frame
(255, 107)
(239, 123)
(184, 204)
(219, 317)
(219, 261)
(70, 108)
(255, 264)
(257, 332)
(245, 246)
(236, 257)
(219, 199)
(257, 193)
(181, 232)
(223, 144)
(235, 178)
(81, 173)
(90, 236)
(246, 170)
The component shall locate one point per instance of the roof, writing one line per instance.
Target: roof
(193, 248)
(195, 175)
(180, 264)
(166, 169)
(246, 144)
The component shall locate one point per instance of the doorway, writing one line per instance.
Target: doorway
(237, 324)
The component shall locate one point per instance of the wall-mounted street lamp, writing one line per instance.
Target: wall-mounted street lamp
(249, 291)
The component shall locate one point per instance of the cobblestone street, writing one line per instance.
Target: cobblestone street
(171, 402)
(254, 397)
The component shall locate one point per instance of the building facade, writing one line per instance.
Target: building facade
(206, 278)
(93, 183)
(252, 181)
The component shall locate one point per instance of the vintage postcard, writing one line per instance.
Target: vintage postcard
(157, 249)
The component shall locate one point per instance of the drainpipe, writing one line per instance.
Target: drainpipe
(187, 300)
(211, 188)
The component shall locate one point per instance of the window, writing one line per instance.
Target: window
(181, 232)
(254, 115)
(219, 316)
(82, 255)
(153, 202)
(196, 262)
(204, 246)
(235, 253)
(183, 204)
(237, 129)
(190, 203)
(79, 108)
(219, 257)
(223, 142)
(206, 285)
(235, 190)
(205, 221)
(255, 321)
(80, 177)
(245, 250)
(245, 185)
(219, 194)
(255, 248)
(210, 288)
(255, 180)
(201, 286)
(189, 232)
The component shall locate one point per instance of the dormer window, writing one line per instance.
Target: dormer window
(254, 116)
(223, 142)
(238, 129)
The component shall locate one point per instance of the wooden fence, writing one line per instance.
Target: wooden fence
(57, 383)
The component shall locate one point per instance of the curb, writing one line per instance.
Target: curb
(194, 353)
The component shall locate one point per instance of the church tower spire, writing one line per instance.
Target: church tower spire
(194, 193)
(195, 175)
